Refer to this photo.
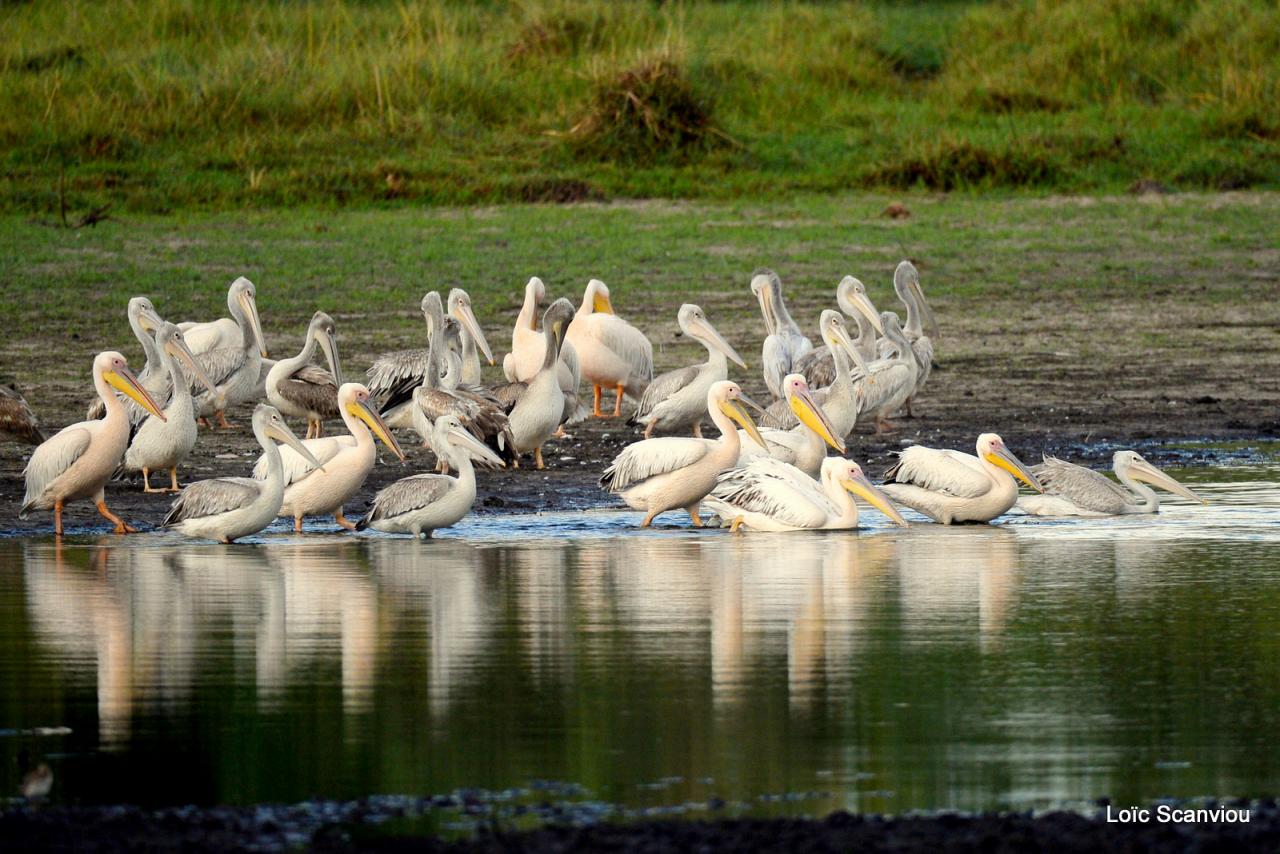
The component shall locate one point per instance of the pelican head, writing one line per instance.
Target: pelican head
(767, 288)
(728, 397)
(597, 297)
(851, 296)
(836, 336)
(354, 398)
(555, 323)
(1133, 464)
(850, 476)
(460, 309)
(695, 324)
(114, 370)
(325, 333)
(144, 314)
(169, 339)
(906, 284)
(242, 302)
(432, 311)
(270, 424)
(448, 432)
(991, 448)
(801, 401)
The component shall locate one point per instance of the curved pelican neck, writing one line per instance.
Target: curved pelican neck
(843, 501)
(781, 317)
(1149, 502)
(149, 348)
(528, 316)
(357, 428)
(730, 443)
(308, 350)
(913, 328)
(115, 409)
(181, 387)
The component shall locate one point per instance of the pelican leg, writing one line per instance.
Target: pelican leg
(884, 426)
(223, 424)
(343, 520)
(692, 510)
(297, 524)
(173, 480)
(319, 428)
(737, 523)
(910, 414)
(57, 517)
(537, 458)
(648, 428)
(595, 393)
(648, 518)
(515, 461)
(697, 429)
(617, 403)
(202, 421)
(121, 526)
(560, 434)
(311, 427)
(146, 481)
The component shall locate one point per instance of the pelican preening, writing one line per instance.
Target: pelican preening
(784, 343)
(669, 473)
(951, 486)
(17, 419)
(78, 461)
(298, 388)
(611, 352)
(676, 400)
(228, 508)
(1072, 490)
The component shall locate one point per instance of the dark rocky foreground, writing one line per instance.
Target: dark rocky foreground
(359, 826)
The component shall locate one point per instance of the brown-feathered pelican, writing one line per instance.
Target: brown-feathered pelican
(803, 446)
(842, 401)
(303, 390)
(17, 419)
(422, 503)
(784, 343)
(539, 407)
(676, 400)
(346, 460)
(78, 460)
(611, 352)
(228, 508)
(770, 495)
(951, 486)
(818, 367)
(163, 443)
(473, 340)
(670, 472)
(1072, 490)
(920, 330)
(227, 332)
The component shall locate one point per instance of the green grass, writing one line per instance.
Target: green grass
(166, 105)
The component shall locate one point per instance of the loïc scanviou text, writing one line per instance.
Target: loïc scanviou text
(1166, 814)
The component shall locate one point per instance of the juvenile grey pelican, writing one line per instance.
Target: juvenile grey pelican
(951, 486)
(346, 460)
(539, 407)
(890, 380)
(472, 336)
(843, 400)
(676, 400)
(920, 328)
(611, 352)
(163, 443)
(421, 503)
(303, 390)
(407, 368)
(17, 419)
(668, 473)
(143, 322)
(227, 332)
(784, 343)
(235, 369)
(817, 365)
(803, 446)
(1072, 490)
(227, 508)
(78, 460)
(770, 495)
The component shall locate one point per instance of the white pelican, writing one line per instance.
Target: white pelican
(143, 322)
(784, 343)
(920, 328)
(422, 503)
(668, 473)
(539, 407)
(676, 400)
(611, 352)
(226, 332)
(951, 486)
(346, 461)
(1072, 490)
(162, 443)
(769, 495)
(227, 508)
(472, 336)
(78, 460)
(817, 365)
(17, 419)
(298, 388)
(803, 446)
(889, 381)
(843, 400)
(236, 370)
(528, 346)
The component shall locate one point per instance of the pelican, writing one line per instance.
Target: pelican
(889, 381)
(78, 460)
(527, 350)
(227, 508)
(406, 368)
(235, 369)
(1072, 490)
(298, 388)
(676, 400)
(143, 322)
(950, 486)
(656, 475)
(162, 443)
(17, 419)
(226, 332)
(611, 352)
(920, 328)
(539, 407)
(818, 366)
(843, 400)
(472, 336)
(345, 462)
(769, 495)
(784, 342)
(804, 446)
(424, 502)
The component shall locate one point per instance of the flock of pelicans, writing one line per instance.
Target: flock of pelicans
(775, 475)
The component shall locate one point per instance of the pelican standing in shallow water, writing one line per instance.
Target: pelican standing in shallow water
(951, 486)
(538, 408)
(298, 388)
(224, 332)
(920, 328)
(473, 340)
(804, 446)
(769, 495)
(346, 460)
(1072, 490)
(611, 352)
(784, 343)
(77, 461)
(162, 443)
(818, 366)
(669, 473)
(422, 503)
(227, 508)
(676, 400)
(17, 419)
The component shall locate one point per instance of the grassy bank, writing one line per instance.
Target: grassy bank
(161, 105)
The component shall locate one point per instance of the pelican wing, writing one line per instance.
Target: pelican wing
(817, 366)
(509, 393)
(662, 388)
(892, 382)
(53, 458)
(775, 489)
(945, 471)
(393, 369)
(220, 364)
(17, 419)
(1087, 488)
(407, 494)
(313, 388)
(625, 340)
(212, 497)
(296, 466)
(652, 457)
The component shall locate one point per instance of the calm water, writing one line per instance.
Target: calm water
(1028, 664)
